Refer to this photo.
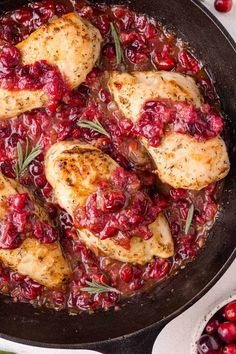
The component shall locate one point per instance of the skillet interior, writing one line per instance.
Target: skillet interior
(48, 328)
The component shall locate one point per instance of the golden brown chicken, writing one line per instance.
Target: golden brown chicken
(69, 42)
(42, 262)
(74, 170)
(181, 161)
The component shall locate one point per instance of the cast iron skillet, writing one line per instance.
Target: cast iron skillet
(135, 327)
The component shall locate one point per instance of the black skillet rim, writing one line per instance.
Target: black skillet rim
(91, 345)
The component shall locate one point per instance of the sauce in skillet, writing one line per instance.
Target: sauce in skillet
(146, 45)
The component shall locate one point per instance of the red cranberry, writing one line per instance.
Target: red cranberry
(227, 332)
(104, 96)
(229, 349)
(17, 277)
(126, 273)
(52, 210)
(109, 51)
(209, 345)
(9, 56)
(18, 201)
(30, 289)
(36, 168)
(162, 63)
(230, 311)
(9, 238)
(223, 5)
(135, 57)
(212, 326)
(113, 201)
(188, 62)
(44, 232)
(178, 193)
(22, 15)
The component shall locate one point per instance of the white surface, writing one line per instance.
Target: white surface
(174, 339)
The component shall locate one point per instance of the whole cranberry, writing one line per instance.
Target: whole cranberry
(230, 311)
(223, 5)
(209, 345)
(212, 326)
(229, 349)
(227, 332)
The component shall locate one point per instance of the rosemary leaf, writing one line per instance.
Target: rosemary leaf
(189, 219)
(24, 159)
(95, 125)
(117, 43)
(96, 288)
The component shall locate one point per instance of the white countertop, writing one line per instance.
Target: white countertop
(177, 330)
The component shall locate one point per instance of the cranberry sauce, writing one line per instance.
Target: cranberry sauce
(131, 200)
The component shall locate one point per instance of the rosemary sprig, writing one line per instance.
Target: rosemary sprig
(24, 159)
(94, 125)
(96, 288)
(5, 352)
(117, 43)
(189, 219)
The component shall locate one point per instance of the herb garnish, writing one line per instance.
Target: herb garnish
(189, 219)
(24, 159)
(117, 43)
(96, 288)
(94, 125)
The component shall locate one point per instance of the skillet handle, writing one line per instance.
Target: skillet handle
(141, 343)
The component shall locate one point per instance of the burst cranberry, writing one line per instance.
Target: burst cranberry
(223, 5)
(229, 349)
(109, 51)
(178, 193)
(17, 277)
(40, 181)
(30, 289)
(157, 269)
(136, 58)
(9, 238)
(52, 210)
(18, 201)
(126, 273)
(212, 326)
(227, 332)
(230, 311)
(113, 201)
(162, 63)
(7, 170)
(209, 345)
(150, 31)
(9, 56)
(22, 15)
(44, 232)
(104, 96)
(188, 62)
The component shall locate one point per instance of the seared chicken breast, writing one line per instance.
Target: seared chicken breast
(131, 90)
(74, 170)
(69, 42)
(181, 161)
(43, 263)
(184, 162)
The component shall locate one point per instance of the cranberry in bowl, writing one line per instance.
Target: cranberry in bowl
(217, 332)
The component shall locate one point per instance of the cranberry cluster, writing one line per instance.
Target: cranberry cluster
(118, 205)
(181, 117)
(219, 336)
(21, 221)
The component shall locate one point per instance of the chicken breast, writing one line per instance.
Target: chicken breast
(181, 160)
(43, 263)
(71, 43)
(74, 170)
(131, 90)
(184, 162)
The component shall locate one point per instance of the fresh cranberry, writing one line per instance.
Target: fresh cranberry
(229, 349)
(227, 332)
(230, 311)
(223, 5)
(126, 273)
(209, 345)
(212, 326)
